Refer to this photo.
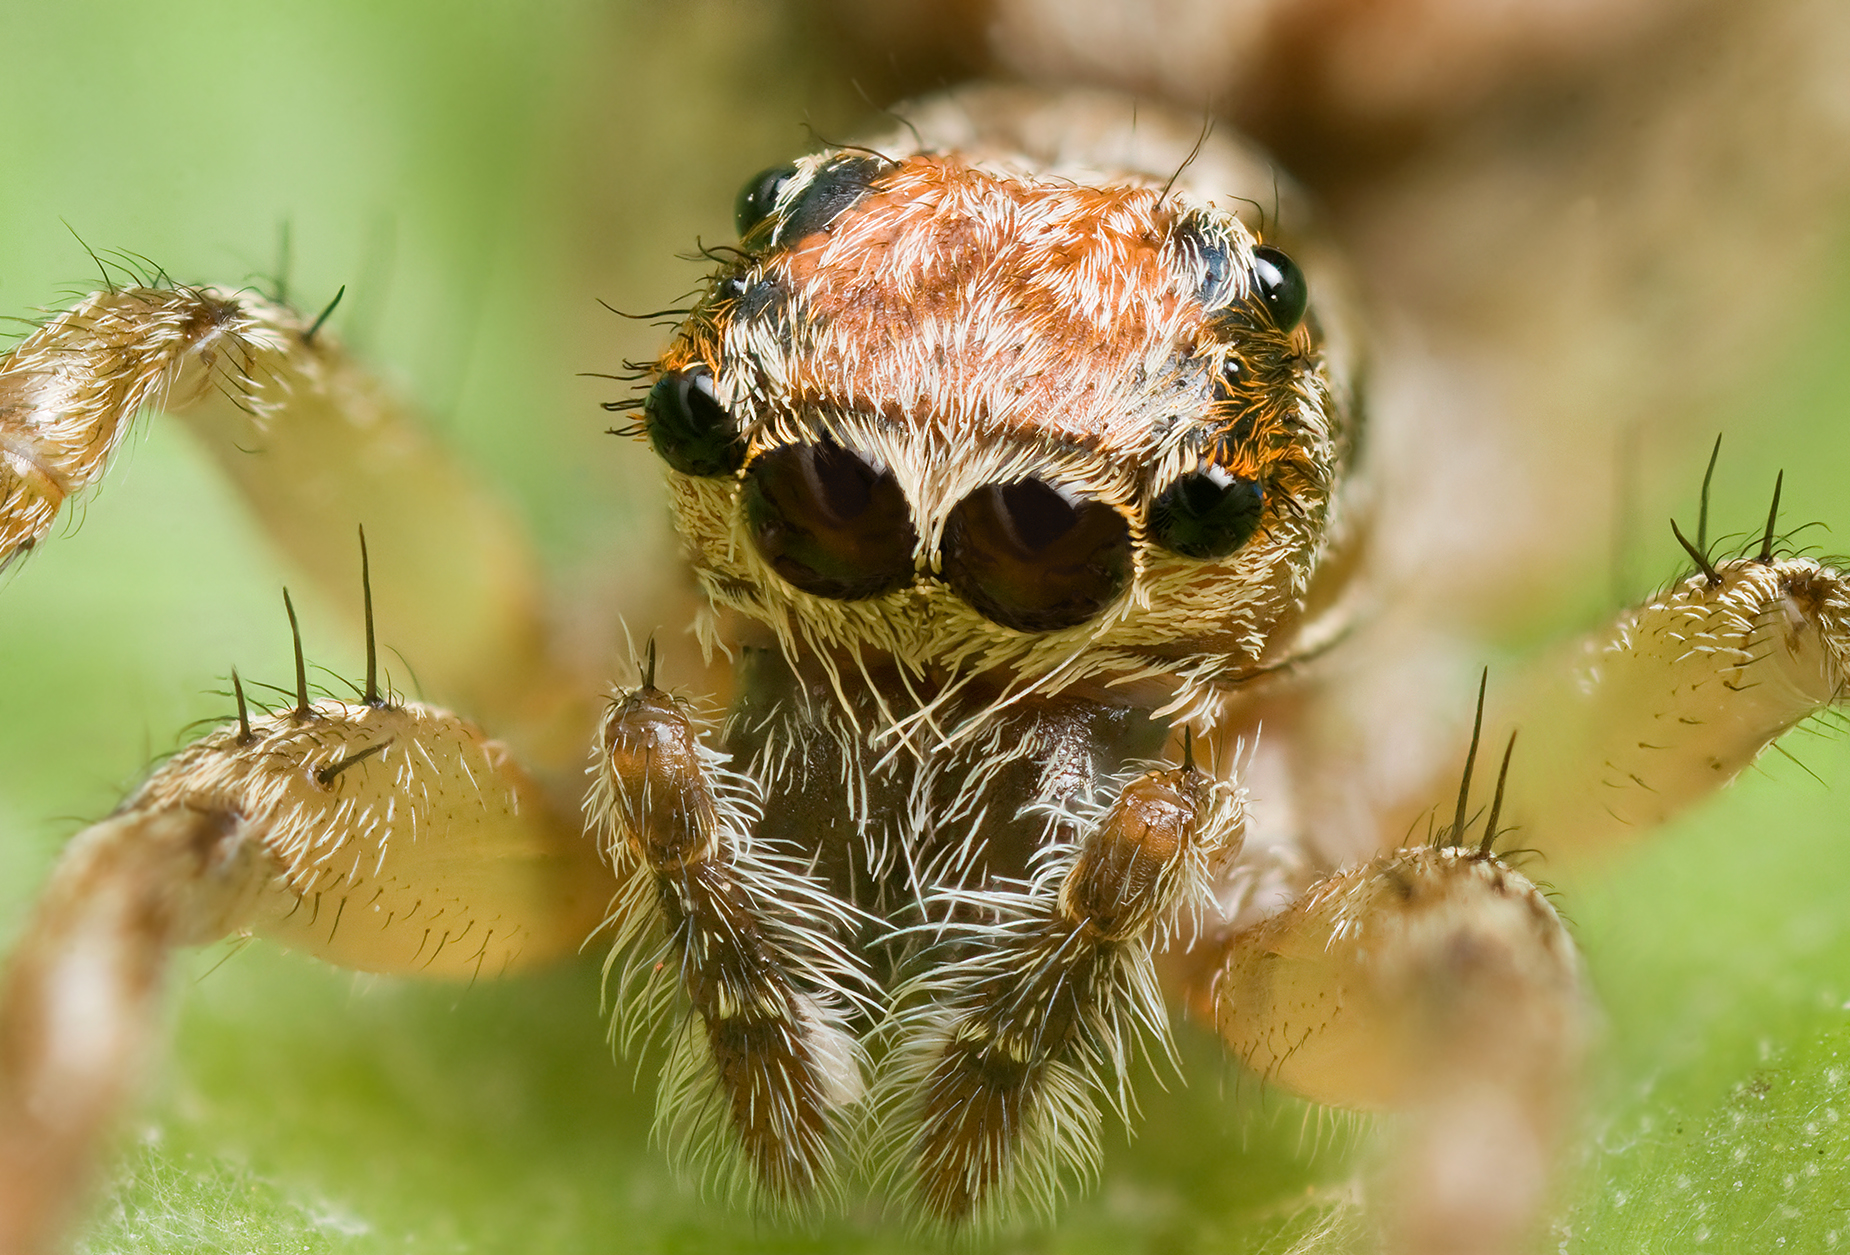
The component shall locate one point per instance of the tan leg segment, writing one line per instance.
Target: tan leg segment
(1641, 720)
(758, 1076)
(386, 838)
(1433, 982)
(315, 444)
(80, 1007)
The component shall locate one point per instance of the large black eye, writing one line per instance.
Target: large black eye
(689, 428)
(1280, 287)
(829, 522)
(1207, 514)
(759, 196)
(1033, 558)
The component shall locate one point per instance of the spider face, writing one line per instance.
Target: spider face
(953, 412)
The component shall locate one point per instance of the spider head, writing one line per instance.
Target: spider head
(969, 417)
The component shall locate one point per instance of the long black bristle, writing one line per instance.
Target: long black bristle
(1701, 559)
(371, 697)
(1702, 519)
(1772, 518)
(1496, 802)
(244, 714)
(302, 709)
(1464, 784)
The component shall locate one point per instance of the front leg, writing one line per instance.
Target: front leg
(996, 1094)
(316, 445)
(761, 1072)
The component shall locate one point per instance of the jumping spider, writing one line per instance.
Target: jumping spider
(1016, 455)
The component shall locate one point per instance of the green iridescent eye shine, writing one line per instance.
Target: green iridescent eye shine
(1208, 513)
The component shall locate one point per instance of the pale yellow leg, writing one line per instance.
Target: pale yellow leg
(1438, 984)
(380, 837)
(318, 447)
(1631, 725)
(1617, 731)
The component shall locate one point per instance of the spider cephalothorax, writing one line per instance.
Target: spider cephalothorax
(970, 416)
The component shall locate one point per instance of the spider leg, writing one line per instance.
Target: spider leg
(1438, 983)
(316, 445)
(761, 1071)
(997, 1094)
(1672, 702)
(380, 837)
(1618, 731)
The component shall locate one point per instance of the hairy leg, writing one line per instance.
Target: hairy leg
(317, 446)
(392, 838)
(1672, 702)
(760, 1073)
(1433, 982)
(1617, 731)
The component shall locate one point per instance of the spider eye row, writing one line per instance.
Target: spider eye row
(1027, 554)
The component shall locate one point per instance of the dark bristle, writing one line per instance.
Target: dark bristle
(308, 337)
(302, 708)
(1702, 519)
(1188, 747)
(1464, 785)
(1701, 559)
(327, 774)
(244, 714)
(285, 258)
(1772, 519)
(371, 696)
(648, 667)
(1496, 802)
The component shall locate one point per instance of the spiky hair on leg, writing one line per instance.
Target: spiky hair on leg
(1037, 996)
(729, 949)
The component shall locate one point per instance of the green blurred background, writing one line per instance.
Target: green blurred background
(478, 176)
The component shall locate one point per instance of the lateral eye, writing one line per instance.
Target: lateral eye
(1208, 513)
(1031, 557)
(759, 196)
(830, 192)
(688, 426)
(1279, 286)
(830, 522)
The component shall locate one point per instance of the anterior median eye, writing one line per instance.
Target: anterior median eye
(1208, 513)
(1034, 558)
(830, 522)
(689, 428)
(1279, 286)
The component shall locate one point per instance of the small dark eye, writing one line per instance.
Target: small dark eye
(830, 192)
(1030, 557)
(1280, 287)
(1208, 513)
(689, 428)
(830, 522)
(1212, 251)
(759, 196)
